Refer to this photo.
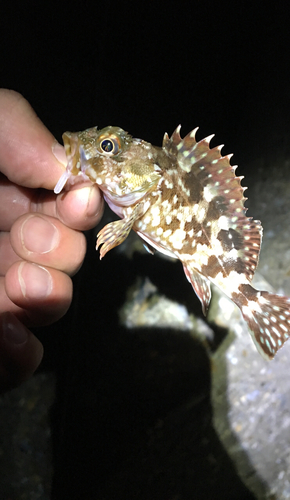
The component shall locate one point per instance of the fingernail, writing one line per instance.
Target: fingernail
(35, 281)
(59, 152)
(38, 235)
(14, 332)
(89, 198)
(94, 206)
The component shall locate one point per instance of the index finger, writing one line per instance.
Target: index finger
(26, 145)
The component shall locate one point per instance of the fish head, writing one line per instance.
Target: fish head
(124, 168)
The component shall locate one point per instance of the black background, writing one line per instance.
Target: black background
(146, 67)
(149, 66)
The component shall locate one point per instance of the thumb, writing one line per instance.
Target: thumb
(20, 352)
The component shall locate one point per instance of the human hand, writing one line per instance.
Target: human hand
(41, 245)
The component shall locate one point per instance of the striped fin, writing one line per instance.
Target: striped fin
(201, 167)
(268, 318)
(201, 286)
(209, 185)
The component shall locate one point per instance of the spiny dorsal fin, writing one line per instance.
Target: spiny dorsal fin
(210, 186)
(197, 163)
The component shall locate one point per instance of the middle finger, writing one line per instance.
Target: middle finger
(47, 241)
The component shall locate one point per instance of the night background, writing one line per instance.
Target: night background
(145, 67)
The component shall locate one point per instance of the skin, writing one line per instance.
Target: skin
(41, 243)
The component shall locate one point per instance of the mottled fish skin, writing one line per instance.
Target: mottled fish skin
(184, 200)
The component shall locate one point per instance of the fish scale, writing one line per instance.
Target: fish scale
(185, 201)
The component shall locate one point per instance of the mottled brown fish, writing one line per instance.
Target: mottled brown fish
(184, 200)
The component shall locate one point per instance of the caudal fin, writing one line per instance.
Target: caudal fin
(268, 318)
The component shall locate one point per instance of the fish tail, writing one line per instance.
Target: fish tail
(268, 318)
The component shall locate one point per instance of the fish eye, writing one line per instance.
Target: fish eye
(109, 146)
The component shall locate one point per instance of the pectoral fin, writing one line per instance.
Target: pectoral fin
(114, 233)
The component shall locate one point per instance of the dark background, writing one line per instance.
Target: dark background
(146, 67)
(149, 66)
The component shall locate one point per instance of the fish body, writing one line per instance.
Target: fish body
(184, 200)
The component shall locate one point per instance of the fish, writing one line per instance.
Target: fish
(184, 200)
